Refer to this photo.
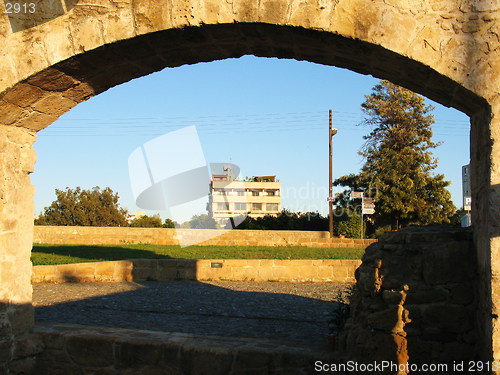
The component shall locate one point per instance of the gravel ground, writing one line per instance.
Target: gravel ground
(286, 312)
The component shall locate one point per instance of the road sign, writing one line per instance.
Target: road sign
(330, 199)
(357, 194)
(467, 203)
(368, 206)
(368, 203)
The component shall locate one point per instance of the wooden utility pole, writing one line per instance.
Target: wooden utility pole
(331, 133)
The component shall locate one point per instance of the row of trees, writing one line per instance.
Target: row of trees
(345, 223)
(100, 207)
(94, 207)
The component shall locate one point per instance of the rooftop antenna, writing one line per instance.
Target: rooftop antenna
(227, 168)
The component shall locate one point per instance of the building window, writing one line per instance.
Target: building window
(240, 193)
(222, 206)
(271, 193)
(255, 193)
(272, 207)
(240, 206)
(257, 206)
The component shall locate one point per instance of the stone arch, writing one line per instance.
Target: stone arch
(446, 50)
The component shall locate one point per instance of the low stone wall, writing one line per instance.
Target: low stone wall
(71, 349)
(167, 236)
(309, 270)
(415, 299)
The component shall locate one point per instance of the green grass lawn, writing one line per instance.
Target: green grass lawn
(63, 254)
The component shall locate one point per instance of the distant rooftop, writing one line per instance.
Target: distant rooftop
(271, 178)
(226, 177)
(219, 177)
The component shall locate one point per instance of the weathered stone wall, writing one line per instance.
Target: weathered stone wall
(416, 299)
(168, 236)
(303, 270)
(16, 313)
(69, 51)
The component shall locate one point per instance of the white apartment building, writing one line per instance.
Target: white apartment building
(230, 198)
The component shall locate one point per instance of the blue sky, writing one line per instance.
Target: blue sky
(269, 116)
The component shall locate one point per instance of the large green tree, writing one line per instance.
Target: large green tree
(202, 221)
(399, 164)
(146, 221)
(81, 207)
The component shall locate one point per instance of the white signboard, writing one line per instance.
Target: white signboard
(368, 206)
(467, 203)
(357, 194)
(368, 203)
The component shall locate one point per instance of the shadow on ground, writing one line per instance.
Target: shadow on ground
(264, 310)
(94, 253)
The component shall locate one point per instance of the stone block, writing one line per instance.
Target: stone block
(130, 354)
(186, 274)
(265, 274)
(207, 273)
(53, 341)
(241, 274)
(86, 272)
(266, 263)
(90, 350)
(307, 273)
(241, 263)
(393, 297)
(44, 270)
(119, 24)
(6, 347)
(206, 361)
(123, 271)
(10, 113)
(105, 271)
(446, 264)
(448, 318)
(427, 295)
(461, 294)
(84, 39)
(458, 351)
(343, 274)
(22, 366)
(55, 104)
(52, 80)
(250, 360)
(23, 95)
(325, 273)
(389, 320)
(421, 351)
(28, 345)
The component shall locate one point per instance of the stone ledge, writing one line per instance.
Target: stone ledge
(79, 348)
(304, 270)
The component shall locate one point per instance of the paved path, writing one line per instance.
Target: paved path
(288, 312)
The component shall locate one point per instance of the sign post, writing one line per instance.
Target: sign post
(367, 206)
(466, 195)
(331, 133)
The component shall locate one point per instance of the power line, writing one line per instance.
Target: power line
(217, 124)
